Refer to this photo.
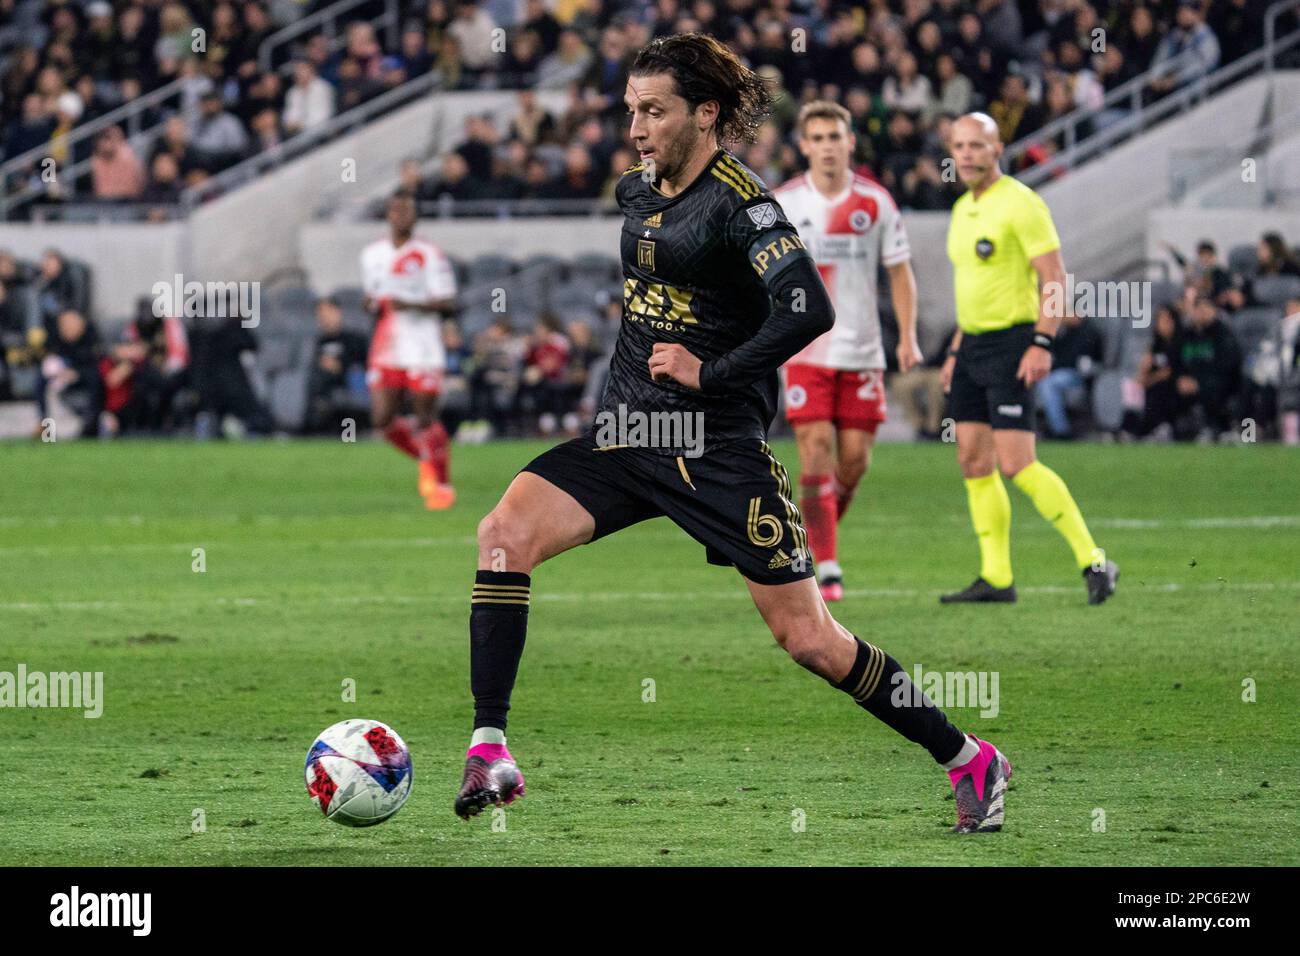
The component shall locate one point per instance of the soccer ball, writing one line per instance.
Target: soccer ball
(359, 772)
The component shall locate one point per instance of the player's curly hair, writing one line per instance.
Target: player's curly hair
(706, 69)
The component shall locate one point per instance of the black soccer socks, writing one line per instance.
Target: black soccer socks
(883, 689)
(498, 623)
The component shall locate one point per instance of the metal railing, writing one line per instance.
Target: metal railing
(1139, 116)
(131, 116)
(327, 22)
(297, 145)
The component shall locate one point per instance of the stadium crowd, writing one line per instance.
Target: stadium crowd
(1223, 350)
(903, 68)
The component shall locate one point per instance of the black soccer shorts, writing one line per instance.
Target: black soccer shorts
(735, 499)
(984, 384)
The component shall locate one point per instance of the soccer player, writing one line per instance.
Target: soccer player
(409, 284)
(835, 386)
(719, 291)
(1008, 276)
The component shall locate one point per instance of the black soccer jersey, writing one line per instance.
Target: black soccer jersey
(719, 270)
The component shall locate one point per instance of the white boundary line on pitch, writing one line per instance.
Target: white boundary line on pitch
(140, 521)
(1114, 524)
(566, 596)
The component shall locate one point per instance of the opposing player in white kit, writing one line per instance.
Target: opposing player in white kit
(409, 285)
(834, 388)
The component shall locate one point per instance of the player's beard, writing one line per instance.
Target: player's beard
(676, 159)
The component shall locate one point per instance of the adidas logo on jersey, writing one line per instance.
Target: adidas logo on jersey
(779, 560)
(654, 221)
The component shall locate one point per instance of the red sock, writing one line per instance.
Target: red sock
(843, 497)
(817, 502)
(398, 434)
(435, 448)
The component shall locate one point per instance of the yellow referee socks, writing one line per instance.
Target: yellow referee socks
(990, 513)
(1053, 500)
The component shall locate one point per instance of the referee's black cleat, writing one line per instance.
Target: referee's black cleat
(981, 592)
(1101, 581)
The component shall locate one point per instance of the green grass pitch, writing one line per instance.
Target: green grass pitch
(322, 566)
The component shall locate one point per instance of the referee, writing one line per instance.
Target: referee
(1006, 260)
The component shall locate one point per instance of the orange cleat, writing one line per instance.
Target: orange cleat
(428, 479)
(442, 496)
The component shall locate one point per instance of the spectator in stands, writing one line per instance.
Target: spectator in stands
(906, 89)
(143, 373)
(494, 383)
(606, 79)
(1205, 272)
(164, 186)
(539, 20)
(1015, 115)
(115, 169)
(267, 132)
(57, 290)
(955, 91)
(545, 376)
(413, 58)
(522, 60)
(1209, 371)
(1288, 393)
(1273, 258)
(257, 28)
(310, 100)
(455, 182)
(1189, 51)
(337, 383)
(1239, 26)
(1157, 377)
(264, 92)
(354, 86)
(584, 353)
(71, 371)
(567, 65)
(1076, 357)
(473, 29)
(33, 129)
(532, 124)
(175, 139)
(219, 139)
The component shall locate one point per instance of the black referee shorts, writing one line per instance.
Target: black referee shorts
(735, 499)
(984, 384)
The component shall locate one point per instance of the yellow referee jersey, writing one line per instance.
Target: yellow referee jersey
(990, 243)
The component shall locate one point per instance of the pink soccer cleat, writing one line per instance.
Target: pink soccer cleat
(980, 785)
(491, 777)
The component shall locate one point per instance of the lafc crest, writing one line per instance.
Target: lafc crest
(645, 254)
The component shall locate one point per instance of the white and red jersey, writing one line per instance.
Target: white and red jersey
(849, 236)
(415, 271)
